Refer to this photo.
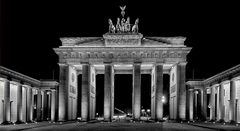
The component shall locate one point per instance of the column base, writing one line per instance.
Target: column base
(136, 119)
(232, 122)
(38, 120)
(159, 120)
(84, 120)
(181, 120)
(221, 121)
(7, 123)
(107, 120)
(212, 120)
(19, 122)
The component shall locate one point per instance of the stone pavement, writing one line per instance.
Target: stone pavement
(119, 126)
(217, 126)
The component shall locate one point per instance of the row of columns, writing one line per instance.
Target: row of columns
(196, 110)
(109, 92)
(24, 114)
(221, 107)
(201, 97)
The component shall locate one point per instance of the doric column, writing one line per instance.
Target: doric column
(232, 104)
(221, 102)
(181, 93)
(49, 105)
(85, 91)
(24, 104)
(57, 102)
(195, 104)
(204, 104)
(29, 104)
(53, 105)
(6, 101)
(108, 92)
(136, 91)
(159, 91)
(199, 103)
(19, 103)
(44, 111)
(191, 93)
(212, 107)
(39, 105)
(63, 92)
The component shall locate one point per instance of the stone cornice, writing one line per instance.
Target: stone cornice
(220, 78)
(19, 76)
(28, 81)
(170, 40)
(195, 83)
(227, 74)
(50, 83)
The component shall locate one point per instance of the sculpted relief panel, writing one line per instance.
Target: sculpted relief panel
(123, 54)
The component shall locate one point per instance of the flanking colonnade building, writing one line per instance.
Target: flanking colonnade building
(24, 99)
(216, 98)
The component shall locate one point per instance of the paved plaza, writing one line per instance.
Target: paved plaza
(119, 126)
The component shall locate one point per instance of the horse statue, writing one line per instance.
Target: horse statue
(135, 26)
(127, 25)
(111, 26)
(123, 25)
(118, 26)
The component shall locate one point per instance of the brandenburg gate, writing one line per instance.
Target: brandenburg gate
(123, 50)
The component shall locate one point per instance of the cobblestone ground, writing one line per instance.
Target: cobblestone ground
(118, 126)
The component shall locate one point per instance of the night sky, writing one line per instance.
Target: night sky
(31, 28)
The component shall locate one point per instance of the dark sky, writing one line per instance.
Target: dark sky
(31, 28)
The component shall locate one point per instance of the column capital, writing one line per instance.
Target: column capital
(3, 79)
(224, 82)
(215, 85)
(137, 62)
(26, 85)
(15, 83)
(53, 89)
(235, 78)
(182, 63)
(158, 63)
(191, 89)
(84, 63)
(107, 63)
(62, 64)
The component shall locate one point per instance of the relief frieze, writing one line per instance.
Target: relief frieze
(123, 54)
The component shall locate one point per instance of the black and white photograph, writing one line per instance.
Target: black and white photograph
(122, 65)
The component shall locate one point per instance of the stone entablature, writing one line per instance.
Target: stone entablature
(19, 76)
(220, 77)
(15, 76)
(122, 47)
(227, 74)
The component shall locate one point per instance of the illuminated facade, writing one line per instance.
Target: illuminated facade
(216, 98)
(25, 99)
(121, 51)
